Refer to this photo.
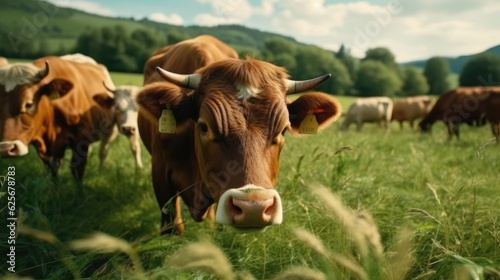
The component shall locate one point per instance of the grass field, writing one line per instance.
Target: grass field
(434, 206)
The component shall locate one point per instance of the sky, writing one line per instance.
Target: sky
(411, 29)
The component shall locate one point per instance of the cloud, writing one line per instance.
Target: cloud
(174, 19)
(410, 29)
(224, 12)
(86, 6)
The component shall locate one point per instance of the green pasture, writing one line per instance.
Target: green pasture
(434, 204)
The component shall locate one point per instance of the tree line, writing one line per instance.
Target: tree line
(376, 74)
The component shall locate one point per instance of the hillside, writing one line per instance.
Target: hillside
(456, 63)
(30, 27)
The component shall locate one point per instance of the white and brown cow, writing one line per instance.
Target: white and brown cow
(369, 109)
(125, 109)
(231, 117)
(49, 103)
(411, 108)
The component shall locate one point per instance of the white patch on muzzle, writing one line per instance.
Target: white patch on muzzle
(13, 148)
(261, 206)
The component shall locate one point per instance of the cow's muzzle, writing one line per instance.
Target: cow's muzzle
(249, 207)
(13, 148)
(127, 130)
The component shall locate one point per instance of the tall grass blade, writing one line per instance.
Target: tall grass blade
(202, 256)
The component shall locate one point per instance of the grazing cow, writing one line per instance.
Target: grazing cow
(471, 105)
(370, 109)
(230, 119)
(123, 104)
(411, 108)
(49, 103)
(3, 61)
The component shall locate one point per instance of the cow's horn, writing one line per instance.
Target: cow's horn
(44, 72)
(188, 81)
(113, 91)
(300, 86)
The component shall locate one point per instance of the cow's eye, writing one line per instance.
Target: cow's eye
(284, 131)
(204, 128)
(29, 105)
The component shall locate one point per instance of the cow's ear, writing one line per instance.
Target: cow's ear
(104, 100)
(325, 108)
(156, 97)
(58, 88)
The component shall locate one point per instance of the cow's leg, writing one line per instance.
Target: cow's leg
(359, 125)
(211, 216)
(449, 125)
(78, 162)
(495, 129)
(135, 146)
(401, 125)
(171, 220)
(411, 123)
(104, 147)
(453, 130)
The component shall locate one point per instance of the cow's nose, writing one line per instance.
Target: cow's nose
(249, 207)
(255, 213)
(8, 150)
(128, 130)
(13, 148)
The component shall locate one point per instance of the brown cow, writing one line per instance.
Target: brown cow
(411, 108)
(73, 119)
(471, 105)
(231, 117)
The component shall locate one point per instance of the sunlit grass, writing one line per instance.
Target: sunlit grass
(444, 194)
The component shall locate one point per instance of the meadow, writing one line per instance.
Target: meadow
(368, 205)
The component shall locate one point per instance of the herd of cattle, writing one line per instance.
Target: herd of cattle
(474, 106)
(213, 124)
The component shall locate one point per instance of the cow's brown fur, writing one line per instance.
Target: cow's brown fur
(74, 120)
(411, 108)
(471, 105)
(222, 141)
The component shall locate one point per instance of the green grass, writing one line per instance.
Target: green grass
(444, 193)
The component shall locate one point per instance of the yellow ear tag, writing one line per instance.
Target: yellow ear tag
(309, 125)
(167, 122)
(54, 95)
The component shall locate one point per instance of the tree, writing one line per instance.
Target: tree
(344, 55)
(481, 70)
(117, 49)
(436, 72)
(374, 78)
(281, 52)
(174, 37)
(313, 62)
(385, 56)
(415, 82)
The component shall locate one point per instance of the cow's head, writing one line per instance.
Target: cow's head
(241, 114)
(25, 93)
(123, 101)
